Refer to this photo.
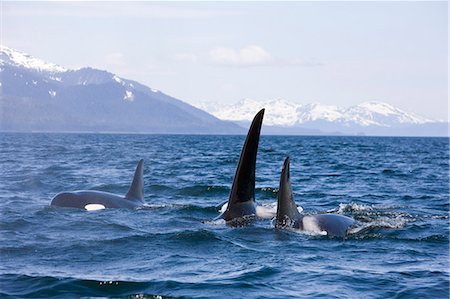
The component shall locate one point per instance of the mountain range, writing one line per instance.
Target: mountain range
(41, 96)
(371, 118)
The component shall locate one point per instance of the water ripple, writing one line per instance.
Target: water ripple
(396, 188)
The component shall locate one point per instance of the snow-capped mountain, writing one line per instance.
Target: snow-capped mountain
(366, 118)
(15, 58)
(382, 114)
(278, 112)
(282, 113)
(40, 96)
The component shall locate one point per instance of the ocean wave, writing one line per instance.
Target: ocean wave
(394, 173)
(267, 191)
(203, 190)
(180, 208)
(25, 286)
(194, 236)
(159, 188)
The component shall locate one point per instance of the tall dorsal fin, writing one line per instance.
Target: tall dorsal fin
(287, 209)
(243, 188)
(137, 186)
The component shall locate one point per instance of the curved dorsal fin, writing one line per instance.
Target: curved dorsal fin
(243, 188)
(137, 186)
(287, 209)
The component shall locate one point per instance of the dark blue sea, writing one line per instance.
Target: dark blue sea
(396, 188)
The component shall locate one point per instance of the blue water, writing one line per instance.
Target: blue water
(397, 189)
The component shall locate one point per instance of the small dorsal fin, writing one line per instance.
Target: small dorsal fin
(287, 209)
(137, 186)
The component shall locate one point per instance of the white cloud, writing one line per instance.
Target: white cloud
(248, 56)
(254, 56)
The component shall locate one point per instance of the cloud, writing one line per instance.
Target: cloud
(254, 56)
(248, 56)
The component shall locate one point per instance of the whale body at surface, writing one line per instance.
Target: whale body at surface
(288, 215)
(93, 200)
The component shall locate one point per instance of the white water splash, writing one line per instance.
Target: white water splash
(154, 206)
(264, 211)
(219, 222)
(374, 217)
(311, 226)
(380, 222)
(351, 207)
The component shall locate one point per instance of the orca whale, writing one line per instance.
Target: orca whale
(288, 215)
(94, 200)
(241, 201)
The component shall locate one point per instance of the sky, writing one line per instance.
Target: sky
(334, 53)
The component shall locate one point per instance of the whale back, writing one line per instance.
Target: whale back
(136, 190)
(287, 212)
(334, 224)
(241, 201)
(288, 215)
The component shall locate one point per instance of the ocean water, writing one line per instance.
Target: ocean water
(397, 189)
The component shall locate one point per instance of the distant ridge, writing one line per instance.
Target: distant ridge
(367, 118)
(40, 96)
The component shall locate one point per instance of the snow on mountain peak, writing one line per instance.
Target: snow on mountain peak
(382, 112)
(280, 112)
(14, 57)
(316, 111)
(379, 107)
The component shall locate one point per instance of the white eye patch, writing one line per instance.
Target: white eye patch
(94, 207)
